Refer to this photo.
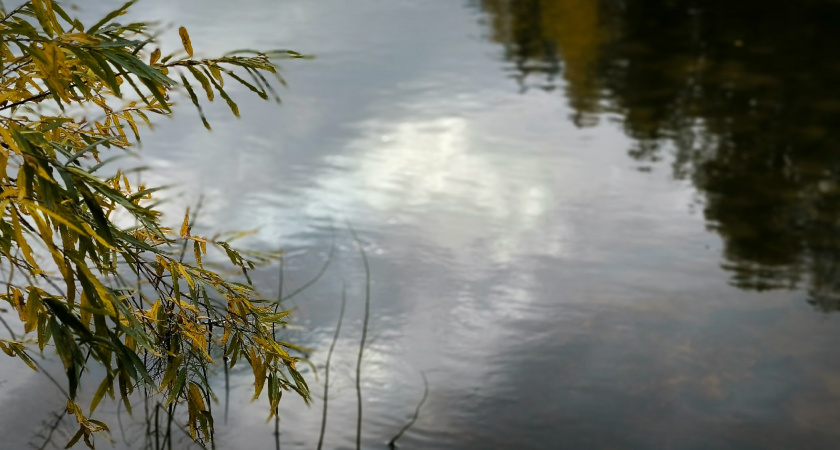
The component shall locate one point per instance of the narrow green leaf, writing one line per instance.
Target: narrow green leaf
(110, 16)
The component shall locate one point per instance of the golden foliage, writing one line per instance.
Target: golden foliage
(67, 95)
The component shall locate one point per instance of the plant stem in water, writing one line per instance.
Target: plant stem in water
(327, 368)
(392, 444)
(364, 338)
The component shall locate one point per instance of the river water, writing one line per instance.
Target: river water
(590, 223)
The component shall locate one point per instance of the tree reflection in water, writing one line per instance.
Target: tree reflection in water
(743, 97)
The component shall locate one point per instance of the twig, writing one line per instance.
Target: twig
(209, 403)
(274, 337)
(169, 418)
(392, 444)
(119, 422)
(364, 337)
(12, 13)
(8, 328)
(190, 224)
(157, 427)
(50, 377)
(26, 100)
(276, 432)
(53, 427)
(327, 368)
(146, 415)
(227, 383)
(314, 279)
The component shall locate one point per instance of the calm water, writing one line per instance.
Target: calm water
(592, 224)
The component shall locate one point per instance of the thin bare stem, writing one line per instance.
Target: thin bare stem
(34, 98)
(227, 383)
(315, 278)
(50, 377)
(392, 444)
(364, 337)
(119, 422)
(48, 439)
(274, 337)
(157, 426)
(8, 328)
(276, 432)
(327, 368)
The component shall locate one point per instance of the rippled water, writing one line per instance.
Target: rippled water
(592, 224)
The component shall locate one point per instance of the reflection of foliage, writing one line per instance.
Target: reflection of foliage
(745, 96)
(65, 101)
(537, 33)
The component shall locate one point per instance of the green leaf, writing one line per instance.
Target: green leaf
(104, 387)
(194, 100)
(76, 437)
(106, 73)
(233, 107)
(175, 392)
(110, 16)
(66, 317)
(205, 83)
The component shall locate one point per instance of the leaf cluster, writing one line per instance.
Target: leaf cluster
(129, 299)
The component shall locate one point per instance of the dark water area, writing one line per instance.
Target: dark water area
(590, 223)
(741, 100)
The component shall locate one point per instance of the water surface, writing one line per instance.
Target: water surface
(592, 224)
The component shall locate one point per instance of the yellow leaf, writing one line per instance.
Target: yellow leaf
(155, 309)
(79, 39)
(24, 246)
(259, 373)
(133, 125)
(74, 409)
(9, 192)
(217, 74)
(4, 161)
(185, 227)
(47, 236)
(53, 215)
(18, 303)
(195, 397)
(85, 305)
(104, 295)
(118, 126)
(185, 39)
(197, 251)
(33, 304)
(187, 307)
(186, 276)
(90, 232)
(7, 138)
(155, 57)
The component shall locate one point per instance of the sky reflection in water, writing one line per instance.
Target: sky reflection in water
(592, 224)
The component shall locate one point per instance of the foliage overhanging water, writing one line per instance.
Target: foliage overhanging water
(593, 224)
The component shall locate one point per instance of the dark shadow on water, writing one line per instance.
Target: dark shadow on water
(740, 95)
